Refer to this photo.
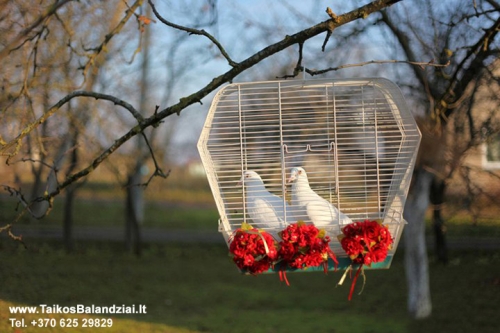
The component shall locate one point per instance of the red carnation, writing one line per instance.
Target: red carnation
(302, 246)
(368, 239)
(254, 251)
(365, 243)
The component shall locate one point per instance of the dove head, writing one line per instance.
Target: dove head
(250, 178)
(297, 174)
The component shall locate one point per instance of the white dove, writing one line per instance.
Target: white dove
(308, 206)
(264, 208)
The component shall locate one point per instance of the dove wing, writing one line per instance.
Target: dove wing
(265, 213)
(321, 212)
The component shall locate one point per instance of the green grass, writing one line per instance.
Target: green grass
(189, 287)
(463, 226)
(112, 213)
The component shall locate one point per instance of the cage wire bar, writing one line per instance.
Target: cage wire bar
(356, 139)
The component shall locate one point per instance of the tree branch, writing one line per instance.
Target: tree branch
(16, 143)
(298, 68)
(158, 170)
(8, 228)
(405, 45)
(20, 200)
(107, 39)
(24, 33)
(463, 76)
(192, 31)
(371, 62)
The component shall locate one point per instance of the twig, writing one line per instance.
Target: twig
(332, 15)
(23, 34)
(378, 62)
(16, 143)
(335, 19)
(28, 159)
(371, 62)
(158, 170)
(8, 228)
(298, 68)
(19, 196)
(103, 46)
(327, 38)
(461, 78)
(192, 31)
(27, 205)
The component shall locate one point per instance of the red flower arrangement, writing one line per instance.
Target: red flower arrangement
(302, 246)
(254, 251)
(365, 243)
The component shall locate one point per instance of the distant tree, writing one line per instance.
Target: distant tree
(465, 35)
(47, 48)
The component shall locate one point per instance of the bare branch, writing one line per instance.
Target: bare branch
(329, 32)
(21, 200)
(23, 34)
(405, 44)
(494, 4)
(332, 15)
(158, 170)
(8, 228)
(15, 144)
(465, 74)
(192, 31)
(327, 38)
(298, 68)
(371, 62)
(18, 195)
(107, 39)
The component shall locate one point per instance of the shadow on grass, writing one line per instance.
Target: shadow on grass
(197, 287)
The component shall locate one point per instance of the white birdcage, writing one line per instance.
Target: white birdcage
(356, 140)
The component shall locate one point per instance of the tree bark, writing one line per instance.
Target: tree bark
(437, 197)
(70, 195)
(135, 196)
(68, 219)
(416, 262)
(134, 213)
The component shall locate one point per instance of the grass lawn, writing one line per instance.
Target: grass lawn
(184, 215)
(107, 213)
(196, 288)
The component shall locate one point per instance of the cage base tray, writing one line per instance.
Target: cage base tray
(343, 264)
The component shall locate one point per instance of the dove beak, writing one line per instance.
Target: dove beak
(292, 178)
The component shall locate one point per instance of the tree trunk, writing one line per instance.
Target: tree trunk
(416, 262)
(70, 194)
(437, 197)
(36, 170)
(134, 213)
(68, 219)
(135, 196)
